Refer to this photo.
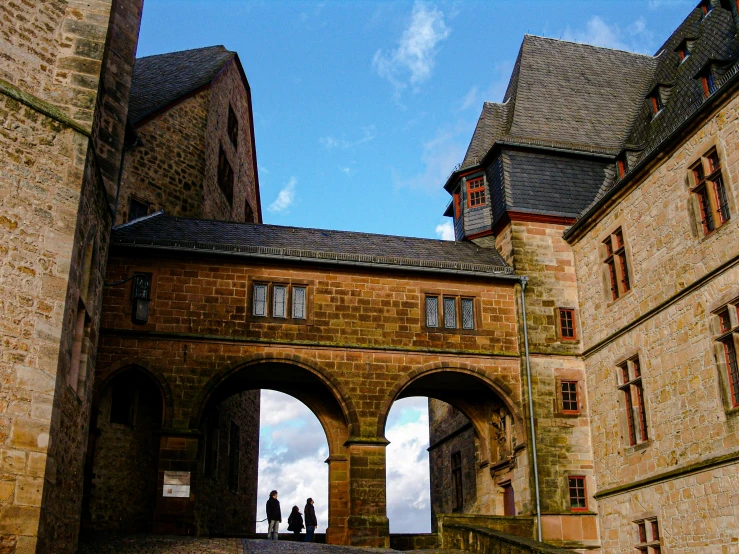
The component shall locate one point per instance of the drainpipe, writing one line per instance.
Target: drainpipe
(126, 147)
(524, 280)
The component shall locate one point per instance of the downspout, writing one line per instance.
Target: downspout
(524, 280)
(126, 147)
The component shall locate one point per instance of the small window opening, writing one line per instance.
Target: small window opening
(655, 101)
(633, 392)
(570, 404)
(705, 7)
(622, 166)
(683, 50)
(457, 490)
(476, 192)
(137, 209)
(468, 313)
(709, 82)
(298, 302)
(567, 324)
(457, 205)
(450, 313)
(225, 176)
(141, 297)
(233, 127)
(260, 300)
(647, 533)
(432, 311)
(578, 498)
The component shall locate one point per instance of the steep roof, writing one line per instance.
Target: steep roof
(162, 79)
(491, 126)
(309, 245)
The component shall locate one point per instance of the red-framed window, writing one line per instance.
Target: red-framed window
(710, 191)
(727, 340)
(616, 264)
(622, 166)
(655, 101)
(708, 79)
(630, 385)
(457, 205)
(567, 326)
(647, 536)
(705, 7)
(578, 493)
(683, 50)
(570, 400)
(475, 192)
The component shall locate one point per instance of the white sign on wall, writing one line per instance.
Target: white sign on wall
(176, 484)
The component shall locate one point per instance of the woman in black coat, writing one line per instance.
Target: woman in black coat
(310, 520)
(295, 521)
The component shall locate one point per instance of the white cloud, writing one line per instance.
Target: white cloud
(348, 171)
(636, 37)
(439, 157)
(331, 143)
(412, 61)
(408, 494)
(285, 198)
(469, 100)
(445, 231)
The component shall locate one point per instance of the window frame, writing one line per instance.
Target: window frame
(633, 401)
(614, 257)
(583, 479)
(656, 103)
(269, 315)
(134, 199)
(457, 481)
(726, 341)
(622, 166)
(646, 529)
(459, 297)
(561, 392)
(573, 321)
(708, 189)
(683, 50)
(476, 194)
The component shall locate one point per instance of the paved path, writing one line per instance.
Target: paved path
(157, 544)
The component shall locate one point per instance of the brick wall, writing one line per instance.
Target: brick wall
(684, 386)
(222, 510)
(167, 168)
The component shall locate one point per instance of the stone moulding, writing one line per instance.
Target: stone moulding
(41, 106)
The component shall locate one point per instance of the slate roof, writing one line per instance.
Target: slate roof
(309, 245)
(162, 79)
(491, 126)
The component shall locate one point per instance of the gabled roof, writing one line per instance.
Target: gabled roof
(160, 80)
(297, 244)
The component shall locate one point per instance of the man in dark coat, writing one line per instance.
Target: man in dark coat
(274, 516)
(310, 520)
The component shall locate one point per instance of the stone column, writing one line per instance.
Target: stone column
(367, 524)
(178, 452)
(338, 499)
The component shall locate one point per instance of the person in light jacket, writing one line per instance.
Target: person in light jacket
(274, 516)
(295, 521)
(310, 520)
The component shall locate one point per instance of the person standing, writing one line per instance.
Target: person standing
(295, 521)
(310, 520)
(274, 516)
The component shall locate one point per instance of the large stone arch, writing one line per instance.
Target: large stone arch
(331, 384)
(501, 389)
(133, 364)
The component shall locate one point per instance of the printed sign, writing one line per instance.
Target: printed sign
(176, 484)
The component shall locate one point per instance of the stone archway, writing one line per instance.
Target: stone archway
(304, 382)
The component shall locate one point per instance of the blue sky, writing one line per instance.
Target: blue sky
(361, 111)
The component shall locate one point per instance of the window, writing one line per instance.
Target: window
(280, 294)
(578, 498)
(140, 298)
(137, 209)
(630, 384)
(710, 192)
(225, 176)
(655, 100)
(476, 192)
(450, 312)
(616, 265)
(647, 536)
(260, 300)
(727, 338)
(457, 494)
(708, 79)
(622, 166)
(233, 127)
(234, 451)
(705, 7)
(248, 213)
(570, 404)
(683, 50)
(457, 206)
(567, 324)
(432, 311)
(279, 297)
(298, 302)
(468, 313)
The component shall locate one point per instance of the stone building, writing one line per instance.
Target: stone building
(609, 178)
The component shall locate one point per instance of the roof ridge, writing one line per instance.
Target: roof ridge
(648, 56)
(185, 50)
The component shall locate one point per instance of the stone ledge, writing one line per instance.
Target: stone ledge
(520, 544)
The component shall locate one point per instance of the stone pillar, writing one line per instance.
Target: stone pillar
(178, 460)
(367, 524)
(338, 499)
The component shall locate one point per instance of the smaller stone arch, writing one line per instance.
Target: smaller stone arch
(502, 390)
(332, 385)
(132, 364)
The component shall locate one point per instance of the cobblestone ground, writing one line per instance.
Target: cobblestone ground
(155, 544)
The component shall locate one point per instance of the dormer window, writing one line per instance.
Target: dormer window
(705, 7)
(709, 82)
(457, 205)
(622, 166)
(683, 50)
(655, 101)
(476, 192)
